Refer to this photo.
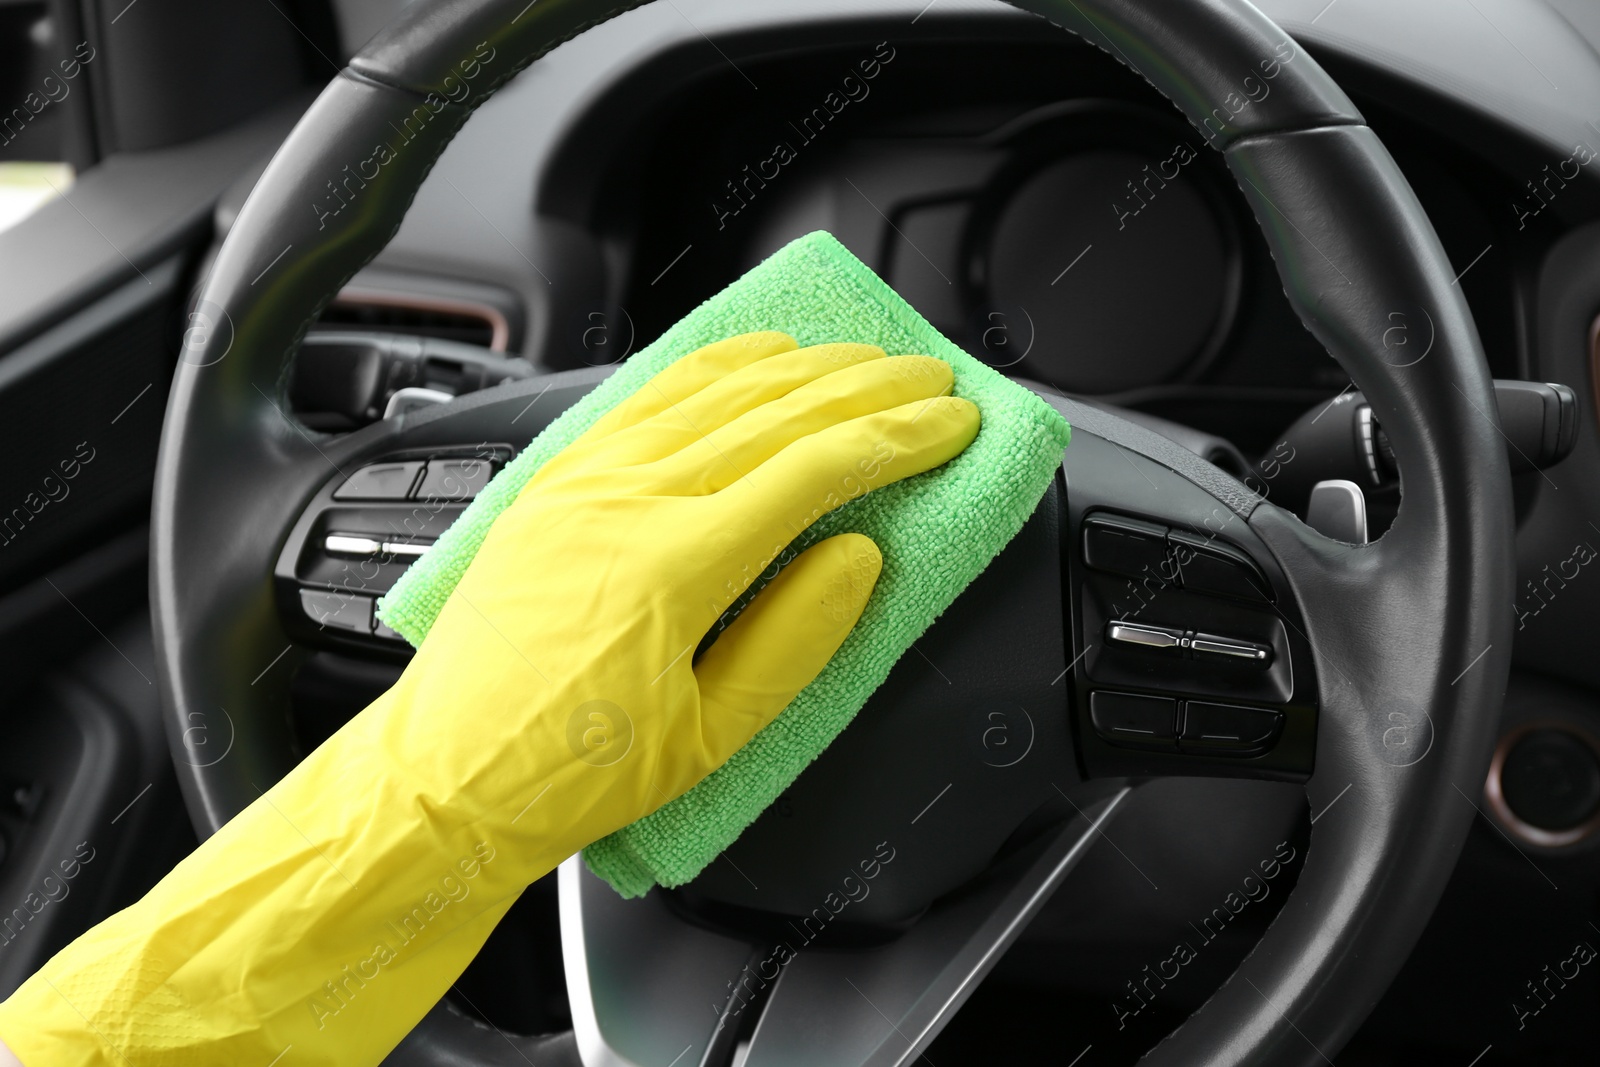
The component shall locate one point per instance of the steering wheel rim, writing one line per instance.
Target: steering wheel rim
(1395, 625)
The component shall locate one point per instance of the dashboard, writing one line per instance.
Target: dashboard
(1032, 198)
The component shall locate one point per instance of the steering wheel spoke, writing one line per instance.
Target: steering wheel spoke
(795, 992)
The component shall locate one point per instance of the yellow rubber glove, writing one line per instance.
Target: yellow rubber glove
(556, 699)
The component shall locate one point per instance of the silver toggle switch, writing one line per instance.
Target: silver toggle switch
(340, 544)
(1338, 509)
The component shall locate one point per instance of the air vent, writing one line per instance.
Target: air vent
(447, 319)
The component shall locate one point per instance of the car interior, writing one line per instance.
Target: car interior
(1099, 841)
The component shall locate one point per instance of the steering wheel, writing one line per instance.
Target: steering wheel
(1154, 617)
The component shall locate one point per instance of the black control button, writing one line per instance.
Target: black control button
(1209, 566)
(1126, 546)
(1228, 729)
(339, 611)
(454, 479)
(380, 481)
(1132, 719)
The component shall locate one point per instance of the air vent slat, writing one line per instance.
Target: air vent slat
(462, 321)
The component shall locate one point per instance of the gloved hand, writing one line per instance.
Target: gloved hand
(556, 699)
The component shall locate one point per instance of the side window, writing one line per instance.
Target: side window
(42, 95)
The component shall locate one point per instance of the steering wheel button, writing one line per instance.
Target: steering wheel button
(1134, 719)
(380, 481)
(1228, 729)
(336, 544)
(1208, 566)
(338, 611)
(1126, 546)
(1157, 638)
(1208, 646)
(454, 479)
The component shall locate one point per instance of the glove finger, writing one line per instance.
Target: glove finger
(722, 402)
(782, 640)
(718, 459)
(832, 467)
(688, 376)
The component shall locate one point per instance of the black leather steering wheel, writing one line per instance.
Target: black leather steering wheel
(1396, 653)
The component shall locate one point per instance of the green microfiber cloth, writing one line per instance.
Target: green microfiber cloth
(938, 531)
